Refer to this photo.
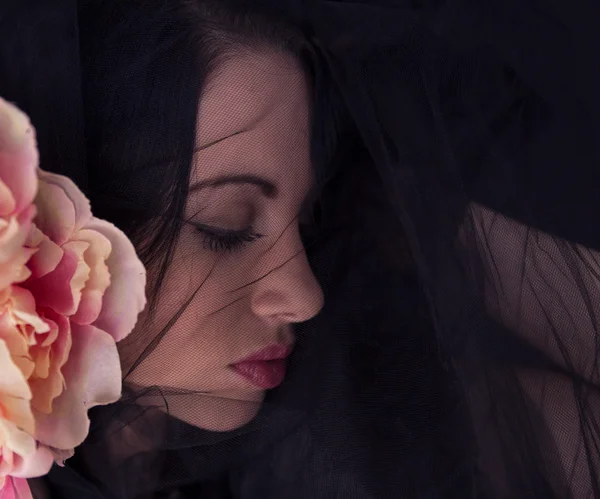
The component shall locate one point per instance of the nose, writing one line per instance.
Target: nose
(289, 291)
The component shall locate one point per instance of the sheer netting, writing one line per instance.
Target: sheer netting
(450, 223)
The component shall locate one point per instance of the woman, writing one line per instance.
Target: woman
(455, 356)
(209, 130)
(207, 135)
(237, 278)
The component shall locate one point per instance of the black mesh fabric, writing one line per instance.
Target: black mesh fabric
(454, 236)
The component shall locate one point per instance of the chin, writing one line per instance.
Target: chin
(225, 415)
(218, 412)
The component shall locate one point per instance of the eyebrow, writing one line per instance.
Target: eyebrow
(268, 188)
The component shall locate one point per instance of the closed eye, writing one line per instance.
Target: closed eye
(222, 240)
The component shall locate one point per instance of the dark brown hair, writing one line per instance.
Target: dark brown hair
(142, 83)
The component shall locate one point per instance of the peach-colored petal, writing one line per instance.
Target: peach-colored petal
(19, 338)
(7, 200)
(37, 464)
(82, 271)
(60, 289)
(18, 155)
(13, 385)
(80, 204)
(26, 216)
(17, 343)
(17, 448)
(55, 213)
(47, 339)
(7, 463)
(125, 298)
(47, 384)
(24, 309)
(47, 256)
(93, 377)
(95, 256)
(16, 418)
(16, 440)
(15, 488)
(18, 412)
(12, 237)
(42, 363)
(15, 271)
(13, 256)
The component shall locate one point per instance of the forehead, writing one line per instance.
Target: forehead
(260, 99)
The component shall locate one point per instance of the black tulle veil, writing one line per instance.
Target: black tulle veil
(455, 239)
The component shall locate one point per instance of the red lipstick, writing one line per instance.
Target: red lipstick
(265, 368)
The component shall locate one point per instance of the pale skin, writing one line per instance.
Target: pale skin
(253, 129)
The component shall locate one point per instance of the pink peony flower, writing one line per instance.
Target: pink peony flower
(70, 287)
(20, 456)
(89, 285)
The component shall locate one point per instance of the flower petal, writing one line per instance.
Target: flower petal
(55, 213)
(24, 309)
(37, 464)
(47, 388)
(47, 256)
(15, 396)
(79, 204)
(93, 377)
(7, 200)
(125, 298)
(60, 290)
(13, 256)
(12, 381)
(61, 455)
(18, 412)
(17, 440)
(18, 155)
(15, 488)
(95, 256)
(82, 271)
(17, 343)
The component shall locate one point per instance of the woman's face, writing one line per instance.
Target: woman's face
(239, 260)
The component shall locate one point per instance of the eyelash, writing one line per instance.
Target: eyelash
(218, 240)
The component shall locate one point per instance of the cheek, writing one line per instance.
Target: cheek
(200, 340)
(191, 271)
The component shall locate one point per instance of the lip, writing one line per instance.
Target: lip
(266, 368)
